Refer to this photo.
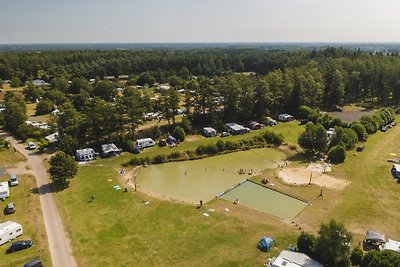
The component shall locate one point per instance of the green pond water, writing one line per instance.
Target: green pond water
(204, 179)
(264, 199)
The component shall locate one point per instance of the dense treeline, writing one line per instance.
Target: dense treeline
(326, 77)
(221, 85)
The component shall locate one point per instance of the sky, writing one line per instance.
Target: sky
(153, 21)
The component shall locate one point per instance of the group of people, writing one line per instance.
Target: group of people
(243, 171)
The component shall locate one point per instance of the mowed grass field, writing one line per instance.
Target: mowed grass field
(118, 229)
(28, 214)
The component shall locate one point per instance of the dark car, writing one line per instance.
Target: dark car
(19, 245)
(304, 121)
(34, 263)
(360, 148)
(135, 150)
(10, 208)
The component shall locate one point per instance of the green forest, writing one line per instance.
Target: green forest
(220, 85)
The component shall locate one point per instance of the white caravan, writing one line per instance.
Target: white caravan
(4, 190)
(145, 142)
(9, 230)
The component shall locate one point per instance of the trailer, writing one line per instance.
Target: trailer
(9, 230)
(145, 142)
(4, 190)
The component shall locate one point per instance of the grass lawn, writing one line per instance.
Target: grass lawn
(28, 214)
(118, 229)
(31, 110)
(371, 200)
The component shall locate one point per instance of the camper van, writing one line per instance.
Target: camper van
(9, 230)
(4, 190)
(145, 142)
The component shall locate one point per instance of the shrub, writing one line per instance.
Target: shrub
(200, 150)
(186, 124)
(273, 138)
(360, 130)
(211, 149)
(337, 154)
(158, 159)
(356, 256)
(349, 138)
(221, 145)
(155, 133)
(174, 155)
(44, 107)
(306, 243)
(179, 133)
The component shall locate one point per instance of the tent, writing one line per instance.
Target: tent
(171, 140)
(265, 243)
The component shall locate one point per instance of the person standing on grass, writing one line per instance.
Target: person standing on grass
(201, 202)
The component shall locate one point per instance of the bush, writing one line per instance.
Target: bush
(174, 155)
(337, 154)
(273, 138)
(360, 130)
(221, 145)
(158, 159)
(200, 150)
(155, 132)
(356, 256)
(44, 107)
(306, 243)
(179, 133)
(211, 149)
(186, 124)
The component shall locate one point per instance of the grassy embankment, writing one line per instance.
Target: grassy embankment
(28, 214)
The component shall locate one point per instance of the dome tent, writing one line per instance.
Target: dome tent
(265, 243)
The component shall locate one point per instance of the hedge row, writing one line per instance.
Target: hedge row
(220, 147)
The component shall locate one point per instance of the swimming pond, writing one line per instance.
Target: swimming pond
(264, 199)
(203, 179)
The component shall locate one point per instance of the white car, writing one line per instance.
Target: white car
(13, 180)
(31, 145)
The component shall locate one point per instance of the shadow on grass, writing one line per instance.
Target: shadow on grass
(302, 158)
(48, 188)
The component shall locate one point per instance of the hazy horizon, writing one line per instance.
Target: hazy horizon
(199, 21)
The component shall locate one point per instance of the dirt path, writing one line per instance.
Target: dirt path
(59, 243)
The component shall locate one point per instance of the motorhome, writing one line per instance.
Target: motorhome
(9, 230)
(145, 142)
(4, 190)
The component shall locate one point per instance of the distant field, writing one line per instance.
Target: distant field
(350, 116)
(28, 214)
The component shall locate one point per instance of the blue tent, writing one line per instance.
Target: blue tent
(265, 243)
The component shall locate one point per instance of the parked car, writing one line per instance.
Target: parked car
(19, 245)
(31, 145)
(13, 180)
(383, 129)
(225, 134)
(162, 143)
(34, 263)
(360, 148)
(10, 208)
(304, 121)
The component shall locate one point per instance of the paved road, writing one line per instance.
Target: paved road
(60, 249)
